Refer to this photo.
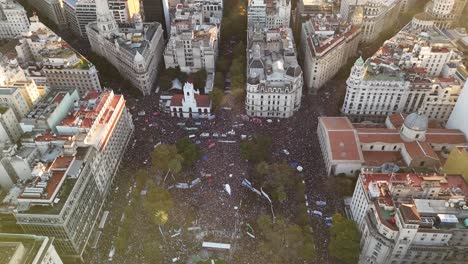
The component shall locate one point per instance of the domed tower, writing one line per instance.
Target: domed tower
(358, 16)
(105, 20)
(357, 72)
(414, 127)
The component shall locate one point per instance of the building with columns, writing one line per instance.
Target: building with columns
(135, 49)
(13, 19)
(404, 140)
(274, 77)
(190, 104)
(413, 71)
(411, 218)
(326, 42)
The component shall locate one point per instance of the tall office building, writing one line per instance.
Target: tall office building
(52, 9)
(71, 171)
(157, 11)
(82, 12)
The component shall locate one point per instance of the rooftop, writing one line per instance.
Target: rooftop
(19, 248)
(443, 208)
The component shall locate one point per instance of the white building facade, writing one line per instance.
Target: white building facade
(136, 51)
(190, 104)
(408, 74)
(13, 19)
(274, 77)
(327, 42)
(377, 15)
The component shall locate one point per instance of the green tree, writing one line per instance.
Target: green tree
(219, 80)
(189, 151)
(165, 82)
(344, 240)
(199, 80)
(165, 157)
(282, 242)
(342, 184)
(257, 149)
(217, 98)
(157, 204)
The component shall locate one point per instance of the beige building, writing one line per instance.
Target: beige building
(406, 141)
(411, 218)
(327, 42)
(20, 97)
(28, 249)
(9, 126)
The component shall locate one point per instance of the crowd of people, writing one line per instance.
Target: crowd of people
(222, 163)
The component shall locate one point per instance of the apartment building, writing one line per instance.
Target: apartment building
(80, 13)
(377, 15)
(157, 11)
(274, 77)
(193, 44)
(9, 128)
(411, 218)
(72, 172)
(268, 14)
(52, 9)
(54, 58)
(327, 42)
(134, 49)
(13, 19)
(406, 141)
(19, 248)
(413, 71)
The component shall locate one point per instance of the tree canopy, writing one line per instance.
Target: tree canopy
(165, 157)
(344, 240)
(189, 151)
(157, 204)
(257, 149)
(283, 242)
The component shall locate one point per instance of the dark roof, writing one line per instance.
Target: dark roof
(257, 64)
(294, 71)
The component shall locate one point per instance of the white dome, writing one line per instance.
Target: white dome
(416, 121)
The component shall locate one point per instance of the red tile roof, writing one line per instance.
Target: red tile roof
(344, 146)
(201, 100)
(418, 149)
(336, 123)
